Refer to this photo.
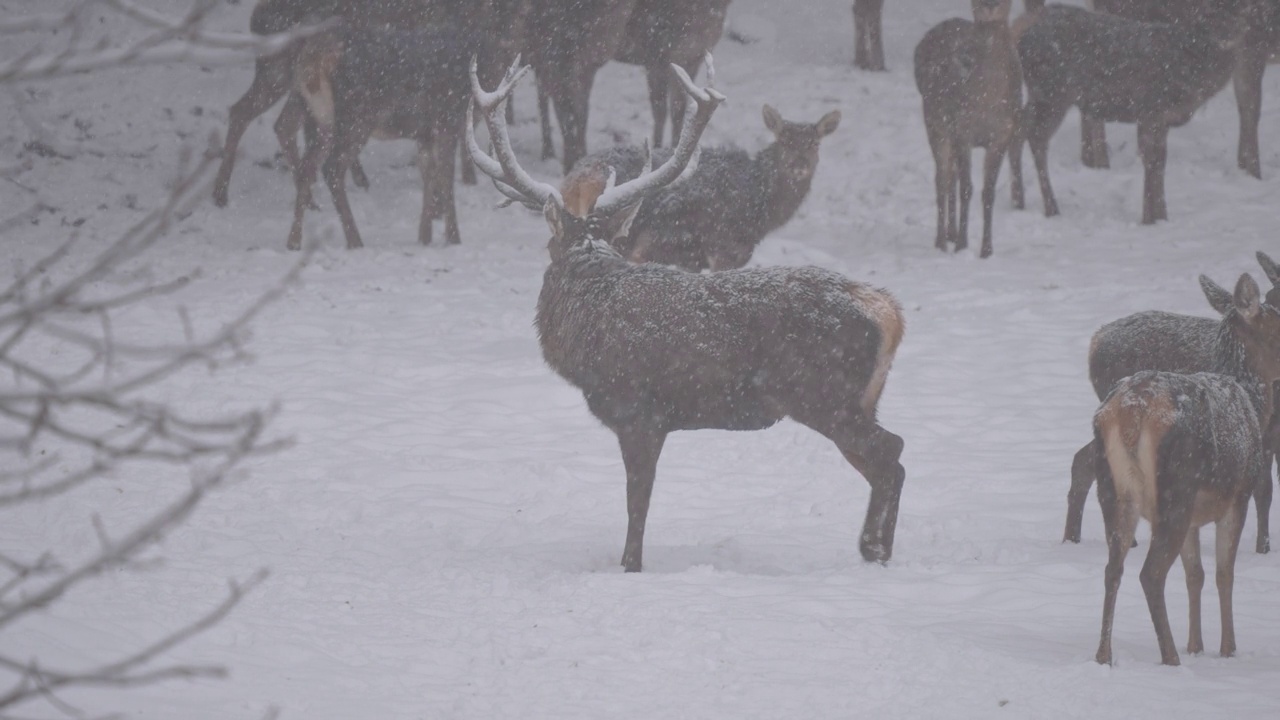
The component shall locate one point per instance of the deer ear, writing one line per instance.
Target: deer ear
(1269, 267)
(772, 119)
(1218, 296)
(627, 216)
(1246, 297)
(828, 123)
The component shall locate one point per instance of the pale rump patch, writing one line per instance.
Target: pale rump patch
(885, 312)
(582, 187)
(315, 64)
(1132, 425)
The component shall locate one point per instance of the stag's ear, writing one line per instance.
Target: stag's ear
(1246, 298)
(1218, 296)
(1269, 267)
(828, 123)
(772, 119)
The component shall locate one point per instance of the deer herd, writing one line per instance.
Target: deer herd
(646, 306)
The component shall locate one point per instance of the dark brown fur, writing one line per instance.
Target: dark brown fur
(868, 35)
(971, 84)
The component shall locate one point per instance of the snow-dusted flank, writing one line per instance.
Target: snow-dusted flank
(444, 537)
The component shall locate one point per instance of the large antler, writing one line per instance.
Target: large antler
(682, 161)
(510, 179)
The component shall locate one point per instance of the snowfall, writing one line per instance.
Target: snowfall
(444, 535)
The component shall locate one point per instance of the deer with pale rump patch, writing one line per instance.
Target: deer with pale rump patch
(655, 349)
(1169, 342)
(1182, 451)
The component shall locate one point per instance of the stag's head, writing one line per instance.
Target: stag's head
(796, 143)
(609, 207)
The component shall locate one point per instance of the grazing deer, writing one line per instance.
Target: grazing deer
(662, 32)
(1114, 69)
(868, 36)
(715, 219)
(1170, 343)
(971, 83)
(569, 41)
(273, 74)
(1260, 40)
(388, 84)
(1182, 451)
(655, 349)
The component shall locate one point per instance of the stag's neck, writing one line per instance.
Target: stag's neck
(777, 194)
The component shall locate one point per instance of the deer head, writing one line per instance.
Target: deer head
(797, 143)
(997, 11)
(617, 204)
(1255, 326)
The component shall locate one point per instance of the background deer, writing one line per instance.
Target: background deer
(273, 74)
(1115, 69)
(662, 32)
(1171, 343)
(569, 41)
(1260, 40)
(868, 36)
(393, 84)
(1182, 451)
(971, 83)
(715, 219)
(655, 349)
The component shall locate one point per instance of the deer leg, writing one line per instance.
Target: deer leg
(1016, 140)
(1043, 119)
(875, 39)
(446, 144)
(1082, 466)
(868, 51)
(335, 173)
(572, 110)
(304, 178)
(943, 181)
(429, 170)
(544, 119)
(1226, 544)
(1194, 570)
(1167, 537)
(1153, 143)
(1093, 143)
(292, 117)
(991, 161)
(964, 172)
(1262, 494)
(1121, 519)
(659, 80)
(1251, 63)
(640, 451)
(271, 77)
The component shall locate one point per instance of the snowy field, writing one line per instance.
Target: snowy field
(444, 536)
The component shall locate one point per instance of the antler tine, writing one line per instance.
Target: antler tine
(510, 179)
(682, 161)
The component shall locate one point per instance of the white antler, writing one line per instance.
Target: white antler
(683, 160)
(510, 179)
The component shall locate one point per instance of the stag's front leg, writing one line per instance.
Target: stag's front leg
(1194, 571)
(1226, 545)
(640, 451)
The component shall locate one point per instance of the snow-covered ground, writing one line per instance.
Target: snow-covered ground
(444, 537)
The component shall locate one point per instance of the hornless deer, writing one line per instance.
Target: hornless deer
(273, 74)
(868, 36)
(1114, 69)
(655, 349)
(1262, 37)
(1183, 451)
(391, 84)
(715, 219)
(662, 32)
(569, 41)
(968, 74)
(1170, 343)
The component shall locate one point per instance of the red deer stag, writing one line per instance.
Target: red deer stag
(655, 349)
(662, 32)
(971, 83)
(715, 219)
(1170, 343)
(569, 41)
(391, 84)
(1115, 69)
(1260, 40)
(1183, 451)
